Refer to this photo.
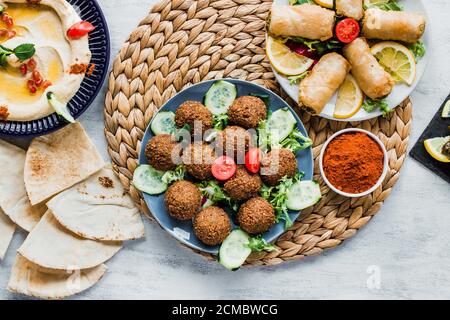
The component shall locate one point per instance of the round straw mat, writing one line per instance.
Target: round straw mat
(183, 42)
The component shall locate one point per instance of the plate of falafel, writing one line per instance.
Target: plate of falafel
(226, 167)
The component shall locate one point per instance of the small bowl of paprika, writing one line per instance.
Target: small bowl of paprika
(353, 162)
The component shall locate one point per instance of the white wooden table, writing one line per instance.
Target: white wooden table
(406, 246)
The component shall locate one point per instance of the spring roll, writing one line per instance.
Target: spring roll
(373, 80)
(322, 82)
(350, 8)
(393, 25)
(307, 21)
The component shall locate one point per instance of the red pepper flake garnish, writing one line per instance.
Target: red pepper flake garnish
(11, 34)
(91, 69)
(46, 84)
(31, 86)
(4, 112)
(79, 68)
(23, 69)
(31, 64)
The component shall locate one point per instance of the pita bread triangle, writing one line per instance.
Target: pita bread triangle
(27, 278)
(7, 228)
(59, 160)
(13, 196)
(98, 208)
(51, 246)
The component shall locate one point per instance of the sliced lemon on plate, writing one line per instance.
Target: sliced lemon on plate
(325, 3)
(284, 60)
(446, 110)
(350, 99)
(434, 147)
(397, 59)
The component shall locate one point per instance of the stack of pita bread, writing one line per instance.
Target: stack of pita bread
(74, 208)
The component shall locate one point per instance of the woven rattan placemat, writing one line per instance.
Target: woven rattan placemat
(184, 42)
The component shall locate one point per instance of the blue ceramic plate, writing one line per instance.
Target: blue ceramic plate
(100, 46)
(182, 230)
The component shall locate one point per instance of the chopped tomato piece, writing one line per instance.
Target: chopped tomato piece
(347, 30)
(3, 32)
(31, 64)
(11, 34)
(80, 29)
(31, 86)
(23, 69)
(223, 168)
(253, 159)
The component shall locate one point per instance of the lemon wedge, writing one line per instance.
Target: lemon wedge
(284, 60)
(397, 59)
(434, 148)
(350, 99)
(325, 3)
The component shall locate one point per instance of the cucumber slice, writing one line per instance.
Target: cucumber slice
(149, 180)
(302, 195)
(446, 110)
(164, 123)
(220, 97)
(234, 251)
(59, 107)
(280, 125)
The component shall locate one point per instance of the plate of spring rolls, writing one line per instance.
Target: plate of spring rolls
(348, 60)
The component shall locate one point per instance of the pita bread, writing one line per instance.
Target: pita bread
(99, 209)
(13, 196)
(26, 278)
(51, 246)
(58, 161)
(7, 228)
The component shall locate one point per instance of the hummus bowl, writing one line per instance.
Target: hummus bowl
(75, 68)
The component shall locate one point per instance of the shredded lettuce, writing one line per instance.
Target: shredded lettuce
(371, 105)
(384, 5)
(259, 244)
(172, 176)
(297, 2)
(277, 197)
(320, 47)
(215, 194)
(296, 79)
(418, 50)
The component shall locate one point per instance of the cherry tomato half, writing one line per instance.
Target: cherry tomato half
(80, 29)
(347, 30)
(253, 160)
(223, 168)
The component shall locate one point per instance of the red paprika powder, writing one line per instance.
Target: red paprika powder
(353, 162)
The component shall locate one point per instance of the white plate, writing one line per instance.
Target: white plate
(400, 92)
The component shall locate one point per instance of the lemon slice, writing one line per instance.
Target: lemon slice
(350, 99)
(434, 148)
(284, 60)
(325, 3)
(446, 110)
(397, 59)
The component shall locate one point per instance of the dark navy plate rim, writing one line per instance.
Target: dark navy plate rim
(148, 133)
(53, 122)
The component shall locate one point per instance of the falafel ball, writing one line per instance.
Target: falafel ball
(277, 164)
(234, 141)
(244, 185)
(256, 216)
(212, 225)
(183, 200)
(247, 111)
(198, 159)
(159, 152)
(193, 111)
